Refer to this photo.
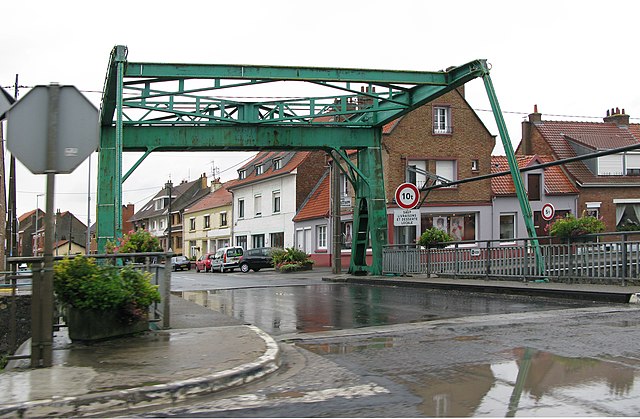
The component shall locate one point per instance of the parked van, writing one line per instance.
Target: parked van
(226, 258)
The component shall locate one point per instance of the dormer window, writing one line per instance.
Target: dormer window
(259, 169)
(242, 174)
(277, 164)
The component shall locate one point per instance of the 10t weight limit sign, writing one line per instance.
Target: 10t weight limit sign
(407, 195)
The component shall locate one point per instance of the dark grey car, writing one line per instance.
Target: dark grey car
(180, 262)
(256, 259)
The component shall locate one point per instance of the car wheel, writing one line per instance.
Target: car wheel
(197, 269)
(244, 268)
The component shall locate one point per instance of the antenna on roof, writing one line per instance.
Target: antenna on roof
(215, 171)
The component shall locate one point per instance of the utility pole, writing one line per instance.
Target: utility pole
(169, 186)
(12, 224)
(336, 225)
(3, 205)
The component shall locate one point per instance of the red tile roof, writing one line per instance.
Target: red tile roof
(265, 157)
(555, 180)
(317, 205)
(218, 198)
(593, 135)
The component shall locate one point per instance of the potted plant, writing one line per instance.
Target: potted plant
(572, 228)
(291, 260)
(103, 301)
(434, 238)
(139, 241)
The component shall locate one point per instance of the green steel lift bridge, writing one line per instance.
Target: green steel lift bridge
(153, 107)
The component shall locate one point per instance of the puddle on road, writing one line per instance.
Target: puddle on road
(532, 383)
(318, 308)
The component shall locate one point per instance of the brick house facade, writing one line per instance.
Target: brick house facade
(608, 186)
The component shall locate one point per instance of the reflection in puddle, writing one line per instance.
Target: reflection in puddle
(322, 307)
(348, 347)
(533, 383)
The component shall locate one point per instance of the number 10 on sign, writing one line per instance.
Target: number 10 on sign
(407, 195)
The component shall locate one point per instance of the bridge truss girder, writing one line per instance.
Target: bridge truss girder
(152, 107)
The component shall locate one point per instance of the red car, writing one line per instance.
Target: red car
(204, 263)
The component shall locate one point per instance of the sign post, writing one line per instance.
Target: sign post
(63, 123)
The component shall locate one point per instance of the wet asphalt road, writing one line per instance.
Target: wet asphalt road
(560, 362)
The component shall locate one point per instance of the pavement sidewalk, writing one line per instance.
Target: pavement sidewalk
(204, 352)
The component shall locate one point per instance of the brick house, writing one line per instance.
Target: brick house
(27, 236)
(268, 192)
(127, 226)
(444, 138)
(609, 186)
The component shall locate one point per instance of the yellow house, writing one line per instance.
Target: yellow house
(207, 224)
(66, 248)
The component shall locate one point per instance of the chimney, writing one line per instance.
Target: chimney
(620, 118)
(215, 184)
(203, 181)
(527, 127)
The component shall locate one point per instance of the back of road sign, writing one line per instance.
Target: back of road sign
(27, 129)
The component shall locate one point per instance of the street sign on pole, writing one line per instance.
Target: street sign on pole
(407, 195)
(77, 129)
(6, 100)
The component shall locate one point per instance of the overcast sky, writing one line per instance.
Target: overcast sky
(574, 59)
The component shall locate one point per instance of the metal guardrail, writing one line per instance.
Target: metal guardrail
(605, 258)
(19, 284)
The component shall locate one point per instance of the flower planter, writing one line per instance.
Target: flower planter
(303, 267)
(94, 325)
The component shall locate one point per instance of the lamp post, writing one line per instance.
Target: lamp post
(35, 236)
(169, 186)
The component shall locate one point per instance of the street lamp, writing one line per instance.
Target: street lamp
(35, 235)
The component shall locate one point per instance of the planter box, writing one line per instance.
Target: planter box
(93, 325)
(305, 267)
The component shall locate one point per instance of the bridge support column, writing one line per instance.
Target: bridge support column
(370, 212)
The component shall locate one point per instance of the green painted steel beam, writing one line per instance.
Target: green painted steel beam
(239, 138)
(521, 192)
(255, 72)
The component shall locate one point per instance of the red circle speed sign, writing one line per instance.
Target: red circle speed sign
(548, 211)
(407, 195)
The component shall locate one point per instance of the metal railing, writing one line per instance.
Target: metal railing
(612, 258)
(17, 285)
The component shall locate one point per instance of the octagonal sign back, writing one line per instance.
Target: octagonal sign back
(77, 133)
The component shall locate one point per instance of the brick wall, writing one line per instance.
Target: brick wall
(413, 139)
(309, 172)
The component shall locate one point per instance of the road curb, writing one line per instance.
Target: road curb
(161, 394)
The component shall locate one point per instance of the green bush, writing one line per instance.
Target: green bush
(570, 226)
(290, 259)
(434, 237)
(139, 241)
(83, 284)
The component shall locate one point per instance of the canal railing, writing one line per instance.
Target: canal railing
(608, 258)
(17, 308)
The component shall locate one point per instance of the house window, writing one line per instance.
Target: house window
(241, 241)
(277, 164)
(240, 208)
(159, 204)
(460, 226)
(446, 169)
(442, 120)
(242, 174)
(593, 209)
(321, 236)
(259, 169)
(207, 221)
(611, 165)
(347, 235)
(153, 225)
(277, 239)
(344, 185)
(627, 214)
(193, 249)
(223, 219)
(276, 202)
(533, 186)
(192, 224)
(475, 165)
(161, 226)
(416, 170)
(257, 205)
(507, 226)
(257, 240)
